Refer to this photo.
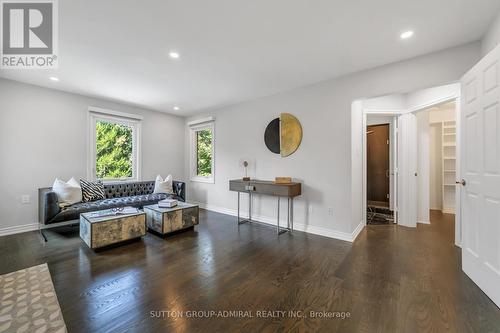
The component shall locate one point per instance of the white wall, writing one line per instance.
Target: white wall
(377, 120)
(43, 135)
(492, 37)
(324, 162)
(421, 99)
(435, 166)
(393, 103)
(441, 115)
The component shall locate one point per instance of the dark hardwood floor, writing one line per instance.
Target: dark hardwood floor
(392, 279)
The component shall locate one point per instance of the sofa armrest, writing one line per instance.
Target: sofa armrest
(179, 189)
(48, 205)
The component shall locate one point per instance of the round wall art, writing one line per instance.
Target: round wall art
(283, 135)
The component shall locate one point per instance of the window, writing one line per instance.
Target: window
(114, 149)
(202, 152)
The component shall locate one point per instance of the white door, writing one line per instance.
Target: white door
(480, 170)
(407, 170)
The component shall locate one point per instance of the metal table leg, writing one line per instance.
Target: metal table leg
(249, 206)
(241, 221)
(278, 229)
(288, 213)
(238, 209)
(43, 235)
(278, 224)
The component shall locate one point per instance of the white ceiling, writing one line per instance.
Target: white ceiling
(237, 50)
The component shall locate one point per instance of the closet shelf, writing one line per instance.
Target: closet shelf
(448, 159)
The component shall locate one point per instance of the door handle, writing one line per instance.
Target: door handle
(462, 182)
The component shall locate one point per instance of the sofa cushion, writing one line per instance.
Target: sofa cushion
(68, 193)
(92, 190)
(126, 189)
(163, 185)
(73, 212)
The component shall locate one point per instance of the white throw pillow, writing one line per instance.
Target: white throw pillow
(163, 185)
(68, 192)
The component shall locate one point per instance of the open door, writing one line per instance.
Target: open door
(407, 170)
(378, 165)
(480, 170)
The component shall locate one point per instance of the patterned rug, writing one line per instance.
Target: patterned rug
(28, 302)
(379, 216)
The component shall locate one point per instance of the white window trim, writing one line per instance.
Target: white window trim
(132, 120)
(193, 151)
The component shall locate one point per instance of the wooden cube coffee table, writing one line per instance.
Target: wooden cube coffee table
(167, 220)
(106, 227)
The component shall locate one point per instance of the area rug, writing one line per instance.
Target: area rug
(379, 216)
(28, 302)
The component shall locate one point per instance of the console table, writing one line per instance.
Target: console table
(264, 187)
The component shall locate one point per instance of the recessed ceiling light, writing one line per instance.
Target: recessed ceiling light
(174, 55)
(53, 78)
(176, 108)
(407, 34)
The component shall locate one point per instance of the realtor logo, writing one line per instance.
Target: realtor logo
(29, 34)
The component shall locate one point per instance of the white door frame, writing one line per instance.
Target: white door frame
(440, 98)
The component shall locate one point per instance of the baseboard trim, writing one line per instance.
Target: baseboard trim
(358, 230)
(18, 229)
(345, 236)
(448, 211)
(424, 222)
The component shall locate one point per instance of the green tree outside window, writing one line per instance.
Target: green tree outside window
(114, 146)
(204, 153)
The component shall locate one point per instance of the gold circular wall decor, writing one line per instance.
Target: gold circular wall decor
(283, 135)
(290, 134)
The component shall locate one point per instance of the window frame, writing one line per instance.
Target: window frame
(127, 119)
(194, 128)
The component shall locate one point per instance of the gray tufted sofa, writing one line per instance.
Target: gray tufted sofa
(118, 194)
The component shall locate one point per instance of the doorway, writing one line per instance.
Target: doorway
(379, 158)
(437, 161)
(377, 149)
(401, 109)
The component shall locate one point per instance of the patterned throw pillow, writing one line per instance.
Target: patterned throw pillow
(92, 191)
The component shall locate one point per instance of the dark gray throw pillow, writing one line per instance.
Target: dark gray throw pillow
(92, 190)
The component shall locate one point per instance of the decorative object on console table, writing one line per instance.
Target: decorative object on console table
(283, 180)
(288, 191)
(245, 165)
(283, 135)
(167, 220)
(106, 227)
